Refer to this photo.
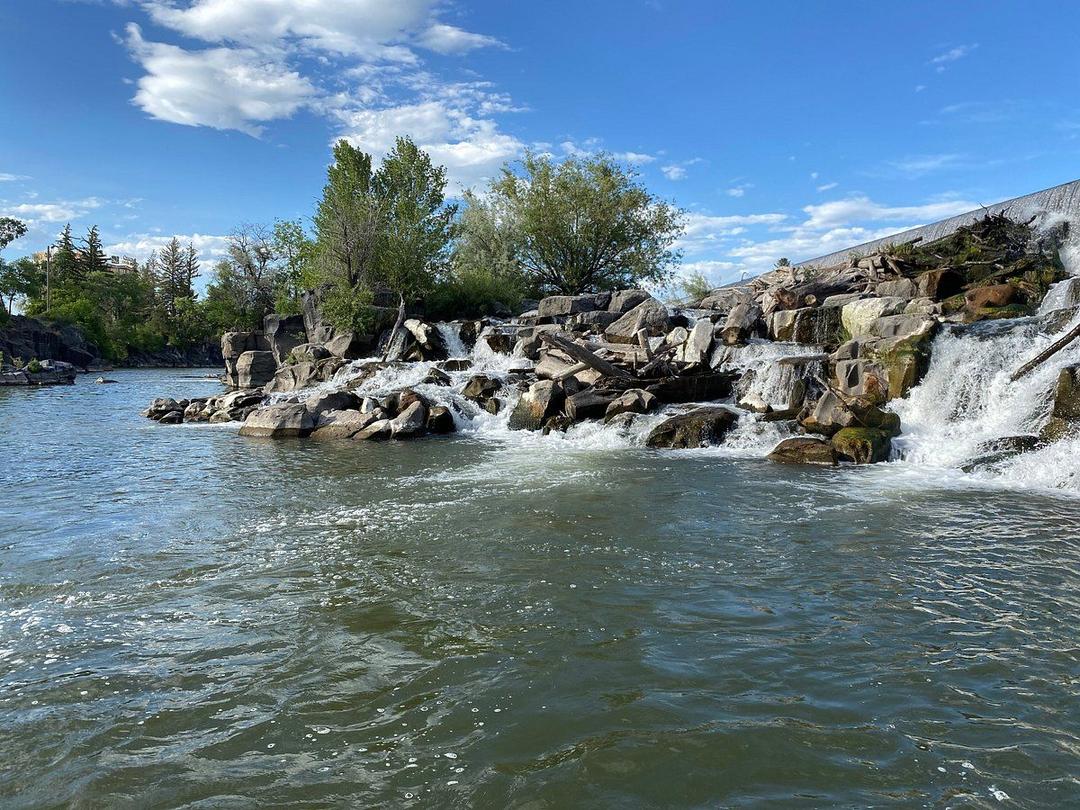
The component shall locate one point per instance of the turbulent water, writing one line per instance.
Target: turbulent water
(191, 618)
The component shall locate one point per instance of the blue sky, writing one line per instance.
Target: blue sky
(784, 128)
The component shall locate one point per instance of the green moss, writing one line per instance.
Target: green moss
(862, 445)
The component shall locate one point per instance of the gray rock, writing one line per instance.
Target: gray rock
(279, 421)
(544, 399)
(284, 333)
(412, 421)
(900, 288)
(599, 319)
(293, 377)
(233, 345)
(255, 369)
(380, 429)
(332, 401)
(588, 404)
(804, 450)
(440, 420)
(625, 300)
(650, 315)
(742, 323)
(343, 424)
(1067, 394)
(635, 400)
(859, 316)
(695, 349)
(700, 427)
(556, 306)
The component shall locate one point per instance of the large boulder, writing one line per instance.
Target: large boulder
(597, 319)
(650, 315)
(743, 322)
(693, 387)
(811, 325)
(293, 377)
(695, 349)
(343, 424)
(858, 317)
(588, 404)
(234, 344)
(279, 421)
(160, 407)
(804, 450)
(544, 399)
(832, 414)
(625, 300)
(332, 401)
(700, 427)
(557, 306)
(726, 299)
(284, 333)
(255, 369)
(440, 420)
(862, 445)
(634, 400)
(412, 421)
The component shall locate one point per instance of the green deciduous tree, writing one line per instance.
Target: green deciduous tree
(587, 224)
(10, 230)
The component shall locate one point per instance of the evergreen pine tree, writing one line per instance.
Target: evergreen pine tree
(64, 258)
(92, 256)
(172, 275)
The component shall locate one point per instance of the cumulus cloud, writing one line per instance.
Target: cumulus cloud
(674, 172)
(223, 88)
(5, 177)
(140, 245)
(370, 29)
(471, 148)
(35, 213)
(634, 158)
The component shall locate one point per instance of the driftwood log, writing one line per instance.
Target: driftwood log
(583, 355)
(1046, 354)
(397, 327)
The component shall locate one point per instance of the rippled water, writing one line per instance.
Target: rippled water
(191, 618)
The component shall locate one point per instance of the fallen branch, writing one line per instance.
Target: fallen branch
(397, 326)
(1043, 356)
(583, 355)
(570, 372)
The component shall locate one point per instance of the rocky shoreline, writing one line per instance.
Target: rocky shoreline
(815, 354)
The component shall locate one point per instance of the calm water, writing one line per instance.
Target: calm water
(191, 618)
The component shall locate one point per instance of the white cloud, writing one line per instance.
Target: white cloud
(705, 232)
(953, 54)
(739, 190)
(674, 172)
(471, 148)
(36, 214)
(11, 178)
(827, 186)
(448, 39)
(841, 213)
(634, 158)
(140, 245)
(919, 165)
(369, 29)
(223, 88)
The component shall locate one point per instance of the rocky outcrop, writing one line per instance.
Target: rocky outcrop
(804, 450)
(700, 427)
(48, 372)
(284, 333)
(862, 445)
(279, 421)
(33, 339)
(234, 344)
(255, 369)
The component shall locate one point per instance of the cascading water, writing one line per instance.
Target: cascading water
(450, 332)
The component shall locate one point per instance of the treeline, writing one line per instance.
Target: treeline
(379, 232)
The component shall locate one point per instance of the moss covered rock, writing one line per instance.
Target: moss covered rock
(862, 445)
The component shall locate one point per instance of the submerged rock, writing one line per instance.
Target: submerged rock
(700, 427)
(862, 445)
(634, 400)
(804, 450)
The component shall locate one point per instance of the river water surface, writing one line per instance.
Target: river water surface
(189, 618)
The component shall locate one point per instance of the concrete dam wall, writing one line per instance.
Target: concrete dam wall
(1059, 202)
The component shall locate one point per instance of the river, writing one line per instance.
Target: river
(189, 618)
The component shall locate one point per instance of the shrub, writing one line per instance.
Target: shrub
(34, 367)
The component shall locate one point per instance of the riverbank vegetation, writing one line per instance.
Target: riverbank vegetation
(383, 231)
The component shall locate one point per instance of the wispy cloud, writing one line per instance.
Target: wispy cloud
(921, 165)
(827, 186)
(953, 54)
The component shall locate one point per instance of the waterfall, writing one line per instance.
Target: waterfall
(967, 400)
(771, 371)
(450, 332)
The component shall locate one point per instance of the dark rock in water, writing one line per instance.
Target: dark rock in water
(557, 424)
(412, 421)
(693, 387)
(171, 418)
(862, 445)
(1057, 429)
(1067, 393)
(382, 429)
(437, 377)
(279, 421)
(804, 450)
(440, 420)
(635, 400)
(481, 388)
(700, 427)
(998, 450)
(589, 404)
(160, 407)
(543, 399)
(455, 364)
(104, 381)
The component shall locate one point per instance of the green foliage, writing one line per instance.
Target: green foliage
(586, 225)
(695, 286)
(34, 367)
(10, 230)
(20, 279)
(294, 253)
(783, 261)
(348, 307)
(473, 293)
(91, 259)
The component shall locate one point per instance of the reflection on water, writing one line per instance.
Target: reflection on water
(190, 618)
